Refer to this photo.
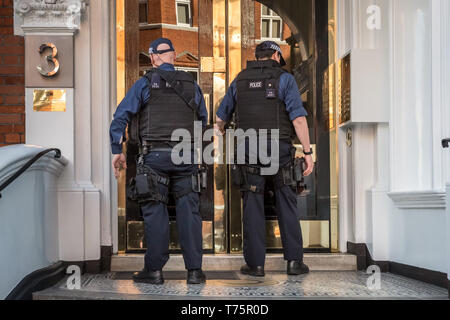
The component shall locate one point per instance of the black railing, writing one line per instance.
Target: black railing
(26, 166)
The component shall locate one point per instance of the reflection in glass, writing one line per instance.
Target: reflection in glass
(143, 12)
(224, 36)
(183, 13)
(276, 27)
(265, 28)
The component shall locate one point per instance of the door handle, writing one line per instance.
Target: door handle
(445, 143)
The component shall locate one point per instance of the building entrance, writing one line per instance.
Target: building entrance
(214, 40)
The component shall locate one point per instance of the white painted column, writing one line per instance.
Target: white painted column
(380, 205)
(412, 145)
(363, 166)
(80, 205)
(103, 86)
(71, 131)
(444, 47)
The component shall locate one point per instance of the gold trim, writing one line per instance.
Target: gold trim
(219, 90)
(136, 235)
(49, 100)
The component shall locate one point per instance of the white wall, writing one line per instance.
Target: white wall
(396, 186)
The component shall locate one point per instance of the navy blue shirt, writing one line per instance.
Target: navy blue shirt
(137, 97)
(287, 92)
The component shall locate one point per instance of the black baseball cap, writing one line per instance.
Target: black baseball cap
(155, 44)
(271, 45)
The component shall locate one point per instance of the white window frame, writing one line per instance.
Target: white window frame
(185, 2)
(271, 18)
(145, 2)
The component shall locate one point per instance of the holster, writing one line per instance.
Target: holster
(299, 167)
(144, 187)
(292, 175)
(198, 183)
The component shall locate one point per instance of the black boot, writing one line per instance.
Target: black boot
(254, 272)
(196, 276)
(295, 268)
(150, 277)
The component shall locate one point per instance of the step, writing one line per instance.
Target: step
(230, 262)
(275, 285)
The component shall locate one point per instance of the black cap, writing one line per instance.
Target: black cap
(271, 45)
(155, 44)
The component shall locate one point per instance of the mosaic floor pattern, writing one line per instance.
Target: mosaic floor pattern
(320, 285)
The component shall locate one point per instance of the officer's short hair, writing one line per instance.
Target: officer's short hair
(261, 54)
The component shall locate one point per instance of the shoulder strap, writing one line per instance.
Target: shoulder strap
(170, 78)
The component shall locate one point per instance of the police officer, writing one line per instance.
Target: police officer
(264, 96)
(165, 100)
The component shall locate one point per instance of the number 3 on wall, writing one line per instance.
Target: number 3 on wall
(51, 59)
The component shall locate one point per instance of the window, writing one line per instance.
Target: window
(271, 24)
(184, 12)
(143, 11)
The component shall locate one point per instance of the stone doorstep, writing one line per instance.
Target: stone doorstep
(274, 262)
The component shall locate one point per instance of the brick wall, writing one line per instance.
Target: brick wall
(154, 11)
(12, 74)
(164, 11)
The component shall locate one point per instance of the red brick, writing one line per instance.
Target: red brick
(7, 21)
(2, 139)
(12, 128)
(10, 118)
(15, 80)
(12, 90)
(8, 3)
(13, 40)
(22, 138)
(13, 100)
(6, 12)
(12, 138)
(18, 128)
(11, 70)
(12, 109)
(7, 30)
(12, 49)
(10, 59)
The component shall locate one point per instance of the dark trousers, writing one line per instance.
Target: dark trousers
(254, 220)
(156, 217)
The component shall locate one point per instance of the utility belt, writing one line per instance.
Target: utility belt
(288, 175)
(147, 146)
(144, 188)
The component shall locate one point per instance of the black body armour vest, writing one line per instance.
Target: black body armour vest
(258, 104)
(166, 111)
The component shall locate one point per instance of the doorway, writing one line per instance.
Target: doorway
(214, 40)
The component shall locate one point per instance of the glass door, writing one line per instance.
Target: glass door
(214, 40)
